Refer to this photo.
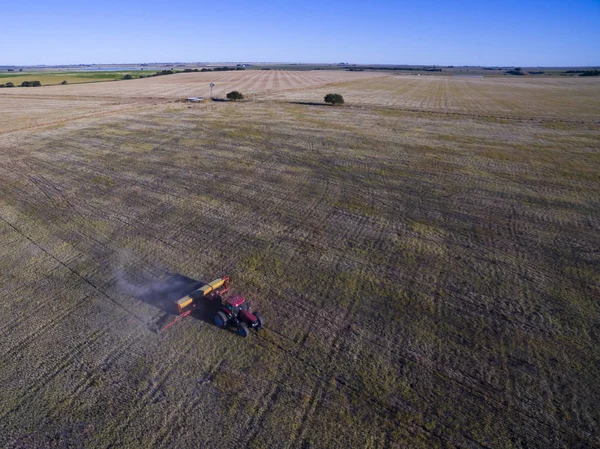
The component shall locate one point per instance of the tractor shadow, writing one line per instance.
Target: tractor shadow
(310, 103)
(164, 295)
(206, 311)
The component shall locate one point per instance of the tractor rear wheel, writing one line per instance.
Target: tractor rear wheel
(243, 330)
(260, 319)
(220, 319)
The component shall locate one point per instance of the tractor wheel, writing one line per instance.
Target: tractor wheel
(260, 319)
(220, 319)
(243, 330)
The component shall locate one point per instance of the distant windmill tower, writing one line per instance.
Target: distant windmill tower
(211, 86)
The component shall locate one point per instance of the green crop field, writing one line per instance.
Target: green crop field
(426, 258)
(52, 78)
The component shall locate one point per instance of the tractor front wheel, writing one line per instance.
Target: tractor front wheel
(243, 330)
(220, 319)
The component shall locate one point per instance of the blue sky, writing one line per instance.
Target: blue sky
(522, 33)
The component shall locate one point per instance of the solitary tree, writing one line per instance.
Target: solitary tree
(234, 95)
(128, 77)
(64, 82)
(334, 99)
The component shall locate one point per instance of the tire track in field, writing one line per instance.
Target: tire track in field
(483, 391)
(320, 321)
(468, 387)
(148, 395)
(55, 370)
(378, 406)
(350, 232)
(13, 323)
(471, 385)
(99, 246)
(92, 211)
(279, 203)
(67, 120)
(307, 414)
(10, 353)
(107, 362)
(84, 279)
(256, 423)
(183, 411)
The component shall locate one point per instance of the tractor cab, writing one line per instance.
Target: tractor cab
(235, 301)
(235, 304)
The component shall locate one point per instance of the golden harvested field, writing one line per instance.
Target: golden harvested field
(429, 277)
(565, 98)
(182, 85)
(25, 112)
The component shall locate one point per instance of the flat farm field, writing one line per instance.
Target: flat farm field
(183, 85)
(429, 272)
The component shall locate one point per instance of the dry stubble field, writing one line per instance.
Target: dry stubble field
(426, 257)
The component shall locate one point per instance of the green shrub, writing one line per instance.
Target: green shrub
(334, 99)
(234, 95)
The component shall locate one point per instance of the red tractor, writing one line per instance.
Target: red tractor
(235, 312)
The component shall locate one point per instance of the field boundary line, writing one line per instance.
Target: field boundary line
(84, 279)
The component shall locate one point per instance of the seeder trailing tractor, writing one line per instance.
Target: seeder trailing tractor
(232, 312)
(215, 290)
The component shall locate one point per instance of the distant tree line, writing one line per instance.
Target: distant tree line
(515, 71)
(23, 84)
(216, 69)
(164, 72)
(519, 71)
(422, 69)
(593, 72)
(222, 69)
